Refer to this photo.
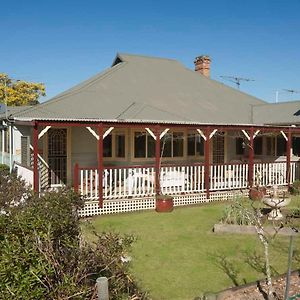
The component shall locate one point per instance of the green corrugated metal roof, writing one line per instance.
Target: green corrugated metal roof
(277, 113)
(13, 110)
(139, 88)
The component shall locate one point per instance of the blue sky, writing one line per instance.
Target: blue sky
(62, 42)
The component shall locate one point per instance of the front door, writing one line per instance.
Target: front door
(57, 156)
(218, 148)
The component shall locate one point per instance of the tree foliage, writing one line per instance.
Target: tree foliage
(19, 92)
(44, 255)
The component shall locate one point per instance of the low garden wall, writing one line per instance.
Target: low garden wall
(257, 290)
(249, 229)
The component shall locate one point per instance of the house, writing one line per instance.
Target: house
(10, 137)
(150, 125)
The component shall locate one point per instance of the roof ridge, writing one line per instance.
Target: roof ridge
(74, 90)
(120, 54)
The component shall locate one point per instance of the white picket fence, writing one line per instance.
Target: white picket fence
(128, 182)
(266, 174)
(139, 181)
(228, 176)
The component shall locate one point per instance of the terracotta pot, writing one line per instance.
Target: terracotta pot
(164, 203)
(257, 194)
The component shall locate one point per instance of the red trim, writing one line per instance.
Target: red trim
(251, 157)
(76, 178)
(100, 164)
(288, 156)
(207, 161)
(163, 125)
(35, 158)
(157, 160)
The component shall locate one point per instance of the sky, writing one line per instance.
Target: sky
(61, 43)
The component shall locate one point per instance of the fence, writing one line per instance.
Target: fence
(139, 181)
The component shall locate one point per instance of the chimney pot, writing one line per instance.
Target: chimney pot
(202, 65)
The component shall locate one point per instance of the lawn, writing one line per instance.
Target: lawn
(174, 255)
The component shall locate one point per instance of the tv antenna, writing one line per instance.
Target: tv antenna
(236, 80)
(291, 91)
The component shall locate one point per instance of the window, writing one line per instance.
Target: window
(120, 145)
(166, 145)
(25, 150)
(270, 145)
(177, 144)
(107, 146)
(114, 145)
(144, 145)
(150, 146)
(296, 146)
(195, 145)
(281, 146)
(139, 144)
(239, 146)
(171, 144)
(258, 145)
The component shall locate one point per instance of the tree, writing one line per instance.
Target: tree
(254, 216)
(44, 254)
(19, 92)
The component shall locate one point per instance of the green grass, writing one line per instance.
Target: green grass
(173, 255)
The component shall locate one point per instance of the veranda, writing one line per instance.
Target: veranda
(110, 188)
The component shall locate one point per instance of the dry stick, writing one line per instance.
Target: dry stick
(261, 234)
(288, 275)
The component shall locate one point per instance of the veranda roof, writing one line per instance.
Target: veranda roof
(139, 88)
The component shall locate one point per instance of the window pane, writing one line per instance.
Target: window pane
(270, 144)
(199, 145)
(120, 145)
(281, 146)
(166, 145)
(258, 145)
(107, 146)
(139, 144)
(150, 146)
(296, 146)
(239, 146)
(177, 144)
(191, 144)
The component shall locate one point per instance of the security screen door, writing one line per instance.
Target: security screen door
(57, 156)
(218, 148)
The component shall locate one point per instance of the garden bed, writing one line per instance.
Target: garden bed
(258, 290)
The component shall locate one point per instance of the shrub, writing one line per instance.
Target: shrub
(233, 215)
(295, 188)
(44, 256)
(4, 168)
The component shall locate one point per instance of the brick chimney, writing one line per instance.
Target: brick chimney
(202, 65)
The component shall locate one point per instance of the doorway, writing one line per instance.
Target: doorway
(57, 156)
(218, 156)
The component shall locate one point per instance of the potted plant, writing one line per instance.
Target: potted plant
(164, 203)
